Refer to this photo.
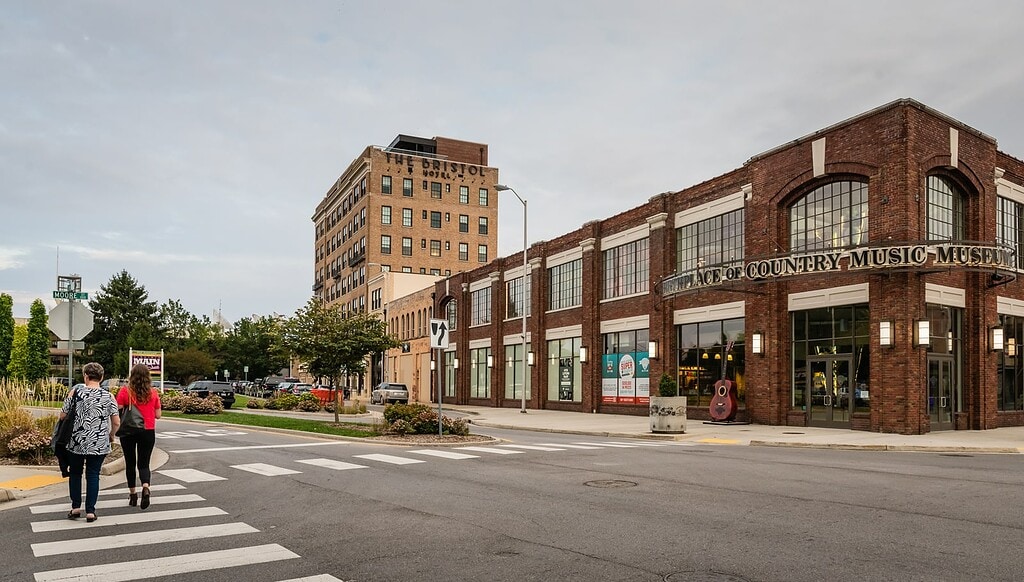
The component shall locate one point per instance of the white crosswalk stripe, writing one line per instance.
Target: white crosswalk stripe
(185, 434)
(612, 445)
(124, 519)
(156, 500)
(490, 450)
(265, 469)
(190, 475)
(182, 564)
(161, 487)
(584, 447)
(635, 444)
(445, 454)
(533, 447)
(331, 464)
(317, 578)
(140, 539)
(390, 459)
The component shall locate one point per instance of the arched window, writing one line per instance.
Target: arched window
(832, 215)
(945, 210)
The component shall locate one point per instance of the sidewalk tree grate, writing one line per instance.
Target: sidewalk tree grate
(610, 484)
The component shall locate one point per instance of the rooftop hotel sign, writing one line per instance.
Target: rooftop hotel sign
(858, 259)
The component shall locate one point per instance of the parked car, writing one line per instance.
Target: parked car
(113, 383)
(203, 388)
(388, 392)
(301, 388)
(166, 385)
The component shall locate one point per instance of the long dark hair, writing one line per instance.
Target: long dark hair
(140, 382)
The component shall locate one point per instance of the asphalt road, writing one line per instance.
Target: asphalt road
(536, 507)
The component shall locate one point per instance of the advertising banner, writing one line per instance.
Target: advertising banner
(609, 378)
(565, 379)
(153, 360)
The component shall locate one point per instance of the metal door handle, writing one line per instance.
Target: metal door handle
(942, 402)
(828, 401)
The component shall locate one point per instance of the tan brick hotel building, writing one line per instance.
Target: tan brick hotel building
(865, 276)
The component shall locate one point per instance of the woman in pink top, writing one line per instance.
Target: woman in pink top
(138, 447)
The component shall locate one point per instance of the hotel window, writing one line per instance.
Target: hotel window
(435, 220)
(463, 223)
(407, 217)
(385, 184)
(945, 210)
(407, 187)
(565, 285)
(452, 314)
(362, 217)
(435, 189)
(463, 251)
(407, 269)
(463, 194)
(830, 216)
(480, 307)
(481, 253)
(385, 244)
(479, 373)
(406, 246)
(483, 197)
(714, 241)
(626, 269)
(1009, 226)
(482, 226)
(435, 248)
(515, 304)
(385, 215)
(514, 372)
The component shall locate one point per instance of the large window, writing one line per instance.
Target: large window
(709, 351)
(565, 285)
(625, 368)
(435, 248)
(406, 246)
(407, 187)
(565, 377)
(463, 223)
(626, 269)
(463, 251)
(463, 194)
(826, 332)
(483, 197)
(482, 225)
(435, 189)
(479, 373)
(385, 184)
(450, 375)
(514, 372)
(435, 219)
(452, 314)
(385, 215)
(945, 210)
(515, 304)
(713, 241)
(385, 244)
(1011, 369)
(407, 217)
(830, 216)
(480, 307)
(1009, 226)
(481, 253)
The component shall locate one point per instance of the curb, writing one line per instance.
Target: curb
(654, 437)
(112, 468)
(892, 448)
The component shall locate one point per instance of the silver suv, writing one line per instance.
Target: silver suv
(387, 393)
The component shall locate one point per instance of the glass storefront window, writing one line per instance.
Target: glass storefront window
(707, 351)
(479, 373)
(839, 333)
(625, 368)
(514, 370)
(1011, 371)
(564, 372)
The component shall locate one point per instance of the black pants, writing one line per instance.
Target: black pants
(138, 448)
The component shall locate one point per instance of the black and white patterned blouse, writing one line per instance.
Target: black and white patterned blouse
(91, 431)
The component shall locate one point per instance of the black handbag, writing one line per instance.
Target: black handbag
(132, 422)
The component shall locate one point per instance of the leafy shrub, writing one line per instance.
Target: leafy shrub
(13, 423)
(308, 403)
(30, 446)
(254, 403)
(172, 402)
(46, 423)
(283, 402)
(667, 386)
(359, 408)
(212, 404)
(420, 419)
(407, 412)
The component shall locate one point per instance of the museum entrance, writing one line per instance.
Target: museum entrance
(828, 392)
(941, 391)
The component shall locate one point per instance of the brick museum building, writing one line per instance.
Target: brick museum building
(861, 277)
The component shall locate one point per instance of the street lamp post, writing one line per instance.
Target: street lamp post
(502, 188)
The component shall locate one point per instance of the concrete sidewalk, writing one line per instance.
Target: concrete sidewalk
(20, 482)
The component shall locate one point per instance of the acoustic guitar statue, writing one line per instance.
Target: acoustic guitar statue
(724, 404)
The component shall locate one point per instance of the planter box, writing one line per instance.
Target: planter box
(668, 414)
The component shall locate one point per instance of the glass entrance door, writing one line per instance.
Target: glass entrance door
(941, 384)
(828, 397)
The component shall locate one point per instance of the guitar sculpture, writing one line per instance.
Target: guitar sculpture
(724, 404)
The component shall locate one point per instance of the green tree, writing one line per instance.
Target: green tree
(255, 342)
(18, 366)
(189, 364)
(38, 343)
(6, 332)
(119, 306)
(334, 344)
(144, 336)
(175, 321)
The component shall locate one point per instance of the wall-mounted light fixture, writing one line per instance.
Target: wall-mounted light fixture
(652, 350)
(995, 336)
(433, 365)
(455, 363)
(757, 343)
(924, 334)
(529, 358)
(885, 334)
(490, 361)
(1011, 347)
(583, 354)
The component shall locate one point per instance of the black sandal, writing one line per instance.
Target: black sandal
(90, 519)
(73, 515)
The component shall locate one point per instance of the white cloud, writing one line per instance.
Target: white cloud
(10, 258)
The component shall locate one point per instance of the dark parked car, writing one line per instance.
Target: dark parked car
(167, 385)
(388, 392)
(203, 388)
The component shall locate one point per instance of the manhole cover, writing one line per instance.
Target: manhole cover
(792, 433)
(610, 484)
(703, 577)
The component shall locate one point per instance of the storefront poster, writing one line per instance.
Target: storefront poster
(643, 378)
(565, 379)
(609, 378)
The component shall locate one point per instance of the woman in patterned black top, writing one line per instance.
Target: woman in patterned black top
(96, 421)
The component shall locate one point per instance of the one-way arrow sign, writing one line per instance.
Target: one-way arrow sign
(438, 334)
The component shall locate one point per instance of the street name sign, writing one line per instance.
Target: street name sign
(77, 296)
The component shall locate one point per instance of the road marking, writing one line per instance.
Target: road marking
(634, 444)
(168, 499)
(251, 447)
(164, 487)
(716, 441)
(158, 567)
(614, 446)
(187, 434)
(190, 475)
(140, 539)
(445, 454)
(332, 464)
(32, 482)
(490, 450)
(265, 469)
(390, 459)
(135, 517)
(533, 447)
(569, 446)
(317, 578)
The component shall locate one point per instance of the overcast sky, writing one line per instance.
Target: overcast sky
(190, 142)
